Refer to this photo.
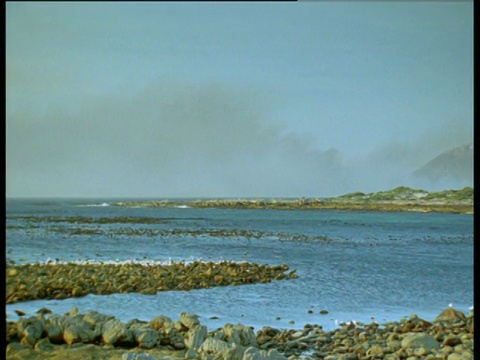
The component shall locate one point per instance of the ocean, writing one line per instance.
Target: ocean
(356, 265)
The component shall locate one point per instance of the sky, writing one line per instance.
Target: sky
(233, 99)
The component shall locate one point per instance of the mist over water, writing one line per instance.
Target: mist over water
(193, 140)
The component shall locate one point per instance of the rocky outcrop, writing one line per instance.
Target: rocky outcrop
(92, 334)
(59, 281)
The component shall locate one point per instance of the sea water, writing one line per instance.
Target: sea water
(356, 265)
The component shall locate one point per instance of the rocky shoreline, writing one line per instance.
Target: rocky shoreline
(93, 335)
(398, 199)
(65, 280)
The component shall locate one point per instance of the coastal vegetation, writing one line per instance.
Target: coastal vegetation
(399, 199)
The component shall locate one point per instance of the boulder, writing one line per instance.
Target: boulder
(30, 330)
(450, 315)
(137, 356)
(116, 333)
(76, 330)
(161, 322)
(43, 345)
(54, 327)
(251, 353)
(189, 320)
(94, 318)
(240, 335)
(214, 346)
(418, 340)
(452, 340)
(144, 335)
(191, 354)
(195, 337)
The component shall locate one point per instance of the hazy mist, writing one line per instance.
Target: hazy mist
(185, 140)
(233, 100)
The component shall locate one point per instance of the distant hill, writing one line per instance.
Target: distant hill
(456, 163)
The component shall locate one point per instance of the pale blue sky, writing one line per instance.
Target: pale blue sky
(232, 99)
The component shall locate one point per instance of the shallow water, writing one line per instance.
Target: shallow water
(355, 265)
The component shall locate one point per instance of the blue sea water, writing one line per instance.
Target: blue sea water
(357, 265)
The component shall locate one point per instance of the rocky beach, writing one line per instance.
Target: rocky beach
(92, 335)
(60, 281)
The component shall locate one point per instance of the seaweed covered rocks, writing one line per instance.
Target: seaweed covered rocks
(60, 281)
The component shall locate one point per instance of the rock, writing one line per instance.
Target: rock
(116, 333)
(144, 335)
(195, 337)
(73, 311)
(30, 330)
(76, 330)
(417, 340)
(191, 354)
(43, 311)
(214, 346)
(189, 320)
(240, 335)
(455, 356)
(450, 315)
(43, 345)
(138, 356)
(161, 322)
(18, 351)
(419, 352)
(94, 318)
(452, 340)
(273, 354)
(54, 327)
(252, 353)
(375, 351)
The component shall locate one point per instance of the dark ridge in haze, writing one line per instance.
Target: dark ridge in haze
(456, 163)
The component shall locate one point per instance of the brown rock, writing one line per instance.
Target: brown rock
(116, 333)
(450, 315)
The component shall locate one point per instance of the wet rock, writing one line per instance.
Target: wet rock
(20, 313)
(43, 311)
